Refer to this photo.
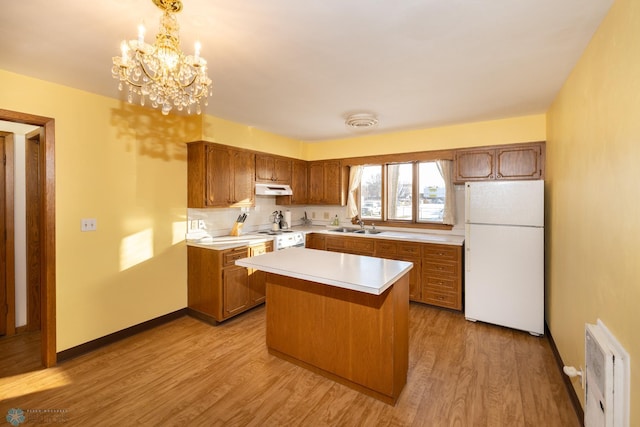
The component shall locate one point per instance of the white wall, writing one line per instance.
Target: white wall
(20, 231)
(19, 131)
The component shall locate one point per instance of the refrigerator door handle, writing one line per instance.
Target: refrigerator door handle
(467, 247)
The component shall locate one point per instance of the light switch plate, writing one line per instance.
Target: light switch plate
(88, 224)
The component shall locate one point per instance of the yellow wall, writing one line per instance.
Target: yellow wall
(494, 132)
(126, 167)
(593, 195)
(238, 135)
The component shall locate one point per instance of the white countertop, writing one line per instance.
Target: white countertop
(229, 242)
(406, 236)
(359, 273)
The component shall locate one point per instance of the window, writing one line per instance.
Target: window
(371, 192)
(412, 192)
(400, 191)
(432, 193)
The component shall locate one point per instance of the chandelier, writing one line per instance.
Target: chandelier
(161, 72)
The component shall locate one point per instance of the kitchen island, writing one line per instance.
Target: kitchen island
(343, 316)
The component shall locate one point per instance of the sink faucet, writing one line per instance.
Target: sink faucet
(361, 224)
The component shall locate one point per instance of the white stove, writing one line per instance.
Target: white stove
(283, 239)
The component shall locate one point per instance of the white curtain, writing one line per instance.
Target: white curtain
(446, 170)
(355, 175)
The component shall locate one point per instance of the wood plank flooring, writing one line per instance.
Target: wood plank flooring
(190, 373)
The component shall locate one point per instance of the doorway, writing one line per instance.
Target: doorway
(44, 271)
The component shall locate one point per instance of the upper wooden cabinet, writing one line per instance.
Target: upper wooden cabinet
(328, 181)
(219, 176)
(273, 169)
(299, 187)
(508, 162)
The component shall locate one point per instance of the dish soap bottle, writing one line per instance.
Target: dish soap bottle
(336, 221)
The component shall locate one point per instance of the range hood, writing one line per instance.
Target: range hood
(273, 190)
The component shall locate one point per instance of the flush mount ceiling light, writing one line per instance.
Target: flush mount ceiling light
(161, 71)
(361, 121)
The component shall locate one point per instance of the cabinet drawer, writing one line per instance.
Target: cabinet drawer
(409, 249)
(440, 252)
(334, 243)
(231, 256)
(441, 284)
(442, 299)
(386, 249)
(440, 268)
(361, 245)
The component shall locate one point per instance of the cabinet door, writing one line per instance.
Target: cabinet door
(264, 168)
(332, 183)
(217, 176)
(520, 162)
(257, 278)
(243, 167)
(316, 241)
(273, 169)
(316, 183)
(299, 182)
(474, 165)
(235, 290)
(282, 171)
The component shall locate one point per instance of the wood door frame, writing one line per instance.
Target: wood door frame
(9, 242)
(48, 264)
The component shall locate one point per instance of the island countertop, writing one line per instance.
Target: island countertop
(356, 272)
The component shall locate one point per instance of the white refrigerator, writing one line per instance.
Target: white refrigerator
(504, 254)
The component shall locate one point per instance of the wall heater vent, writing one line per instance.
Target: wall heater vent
(606, 379)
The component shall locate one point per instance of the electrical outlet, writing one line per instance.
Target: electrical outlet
(88, 224)
(325, 215)
(201, 224)
(313, 215)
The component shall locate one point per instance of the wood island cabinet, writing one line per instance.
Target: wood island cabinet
(273, 169)
(217, 288)
(219, 176)
(436, 276)
(508, 162)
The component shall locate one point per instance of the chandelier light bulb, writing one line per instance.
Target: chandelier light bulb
(141, 31)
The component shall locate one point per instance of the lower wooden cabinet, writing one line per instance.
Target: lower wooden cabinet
(436, 276)
(442, 275)
(349, 245)
(217, 288)
(316, 241)
(403, 251)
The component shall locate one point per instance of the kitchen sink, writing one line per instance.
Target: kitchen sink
(345, 230)
(368, 231)
(355, 230)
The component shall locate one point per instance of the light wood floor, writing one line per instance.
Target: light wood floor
(188, 373)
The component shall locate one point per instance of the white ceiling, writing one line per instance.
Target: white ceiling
(298, 68)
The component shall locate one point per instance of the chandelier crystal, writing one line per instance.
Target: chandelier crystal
(161, 72)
